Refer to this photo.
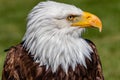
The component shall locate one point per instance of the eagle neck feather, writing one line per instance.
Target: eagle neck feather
(52, 41)
(53, 48)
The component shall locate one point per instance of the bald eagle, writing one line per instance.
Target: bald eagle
(53, 48)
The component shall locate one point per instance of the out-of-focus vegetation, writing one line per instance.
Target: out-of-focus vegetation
(13, 15)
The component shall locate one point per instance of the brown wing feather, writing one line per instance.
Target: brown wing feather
(20, 66)
(94, 67)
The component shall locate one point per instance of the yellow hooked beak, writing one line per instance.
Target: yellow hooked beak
(89, 20)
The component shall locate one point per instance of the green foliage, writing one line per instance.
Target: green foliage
(13, 15)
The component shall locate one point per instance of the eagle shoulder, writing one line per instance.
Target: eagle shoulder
(19, 65)
(95, 61)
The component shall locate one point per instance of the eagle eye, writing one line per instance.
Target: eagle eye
(71, 17)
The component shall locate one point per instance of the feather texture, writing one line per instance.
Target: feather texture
(52, 40)
(19, 65)
(52, 49)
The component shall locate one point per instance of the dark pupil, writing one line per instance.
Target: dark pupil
(71, 17)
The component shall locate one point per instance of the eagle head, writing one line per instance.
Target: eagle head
(53, 35)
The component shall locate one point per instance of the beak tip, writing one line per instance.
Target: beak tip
(100, 29)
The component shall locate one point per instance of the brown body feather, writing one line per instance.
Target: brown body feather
(19, 65)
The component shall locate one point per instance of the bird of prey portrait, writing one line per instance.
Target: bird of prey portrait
(53, 48)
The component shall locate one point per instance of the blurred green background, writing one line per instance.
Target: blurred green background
(13, 15)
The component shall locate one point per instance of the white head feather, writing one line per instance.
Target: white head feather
(52, 40)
